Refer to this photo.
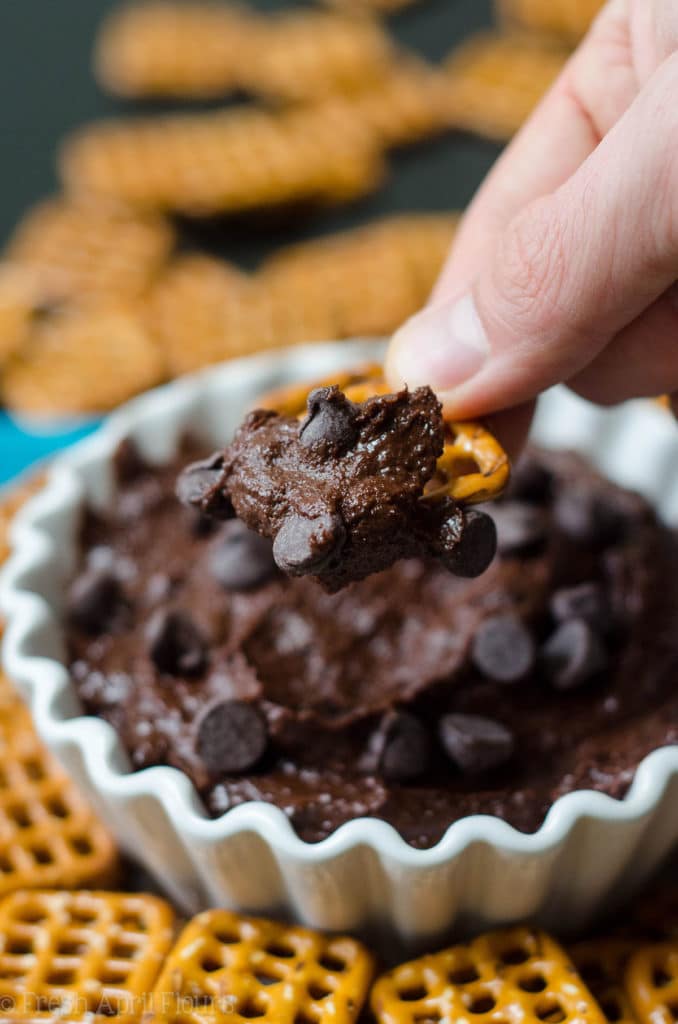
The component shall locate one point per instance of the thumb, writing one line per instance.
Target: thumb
(567, 275)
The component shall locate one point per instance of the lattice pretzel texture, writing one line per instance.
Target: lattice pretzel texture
(49, 836)
(473, 467)
(514, 975)
(227, 967)
(652, 983)
(79, 956)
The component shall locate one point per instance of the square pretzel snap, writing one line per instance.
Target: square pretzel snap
(80, 956)
(230, 968)
(651, 982)
(518, 974)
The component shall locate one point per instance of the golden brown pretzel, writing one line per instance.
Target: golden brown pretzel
(230, 968)
(473, 467)
(80, 956)
(515, 974)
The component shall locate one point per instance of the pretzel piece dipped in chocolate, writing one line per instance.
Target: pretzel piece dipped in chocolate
(364, 479)
(473, 467)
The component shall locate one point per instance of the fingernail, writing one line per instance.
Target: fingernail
(443, 346)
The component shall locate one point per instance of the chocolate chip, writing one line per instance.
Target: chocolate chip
(330, 419)
(198, 486)
(470, 553)
(242, 559)
(232, 737)
(200, 525)
(307, 545)
(588, 518)
(587, 601)
(96, 601)
(572, 655)
(175, 644)
(128, 462)
(474, 743)
(406, 748)
(530, 481)
(521, 528)
(503, 649)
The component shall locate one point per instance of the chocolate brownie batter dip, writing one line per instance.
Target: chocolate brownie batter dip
(340, 492)
(414, 696)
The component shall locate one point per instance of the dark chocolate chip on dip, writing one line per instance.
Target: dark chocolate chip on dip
(241, 559)
(413, 695)
(475, 744)
(175, 644)
(339, 492)
(231, 737)
(503, 649)
(96, 601)
(401, 748)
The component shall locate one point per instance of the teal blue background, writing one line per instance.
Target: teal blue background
(20, 448)
(47, 89)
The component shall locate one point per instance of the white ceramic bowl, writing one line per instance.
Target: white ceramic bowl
(591, 849)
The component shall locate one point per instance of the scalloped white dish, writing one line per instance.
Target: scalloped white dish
(590, 852)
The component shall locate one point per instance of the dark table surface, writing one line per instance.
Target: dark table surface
(47, 89)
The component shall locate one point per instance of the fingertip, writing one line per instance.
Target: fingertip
(392, 371)
(444, 346)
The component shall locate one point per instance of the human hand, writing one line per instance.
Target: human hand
(565, 266)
